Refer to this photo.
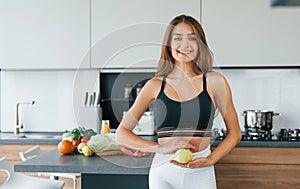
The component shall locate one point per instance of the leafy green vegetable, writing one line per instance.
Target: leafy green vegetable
(80, 132)
(103, 142)
(89, 133)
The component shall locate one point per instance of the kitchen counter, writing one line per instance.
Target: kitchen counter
(53, 161)
(129, 172)
(116, 171)
(104, 171)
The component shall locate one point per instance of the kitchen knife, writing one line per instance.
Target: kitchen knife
(94, 98)
(91, 100)
(86, 98)
(97, 102)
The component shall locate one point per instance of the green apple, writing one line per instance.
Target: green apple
(183, 155)
(80, 147)
(87, 151)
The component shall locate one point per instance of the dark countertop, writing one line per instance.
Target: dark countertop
(53, 161)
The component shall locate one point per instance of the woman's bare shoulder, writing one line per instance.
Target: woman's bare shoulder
(153, 85)
(218, 84)
(215, 78)
(154, 82)
(214, 74)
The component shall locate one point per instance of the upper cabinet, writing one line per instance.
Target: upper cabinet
(44, 34)
(62, 34)
(129, 33)
(252, 33)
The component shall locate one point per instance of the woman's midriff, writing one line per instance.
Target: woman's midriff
(201, 142)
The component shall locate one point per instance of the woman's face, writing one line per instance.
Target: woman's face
(184, 43)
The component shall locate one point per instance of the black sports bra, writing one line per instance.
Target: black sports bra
(188, 118)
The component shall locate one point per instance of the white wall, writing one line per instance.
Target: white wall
(277, 90)
(58, 96)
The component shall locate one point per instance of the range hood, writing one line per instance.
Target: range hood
(275, 3)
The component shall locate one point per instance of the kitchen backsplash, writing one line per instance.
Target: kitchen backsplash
(59, 97)
(277, 90)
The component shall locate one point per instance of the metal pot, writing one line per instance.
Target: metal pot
(259, 119)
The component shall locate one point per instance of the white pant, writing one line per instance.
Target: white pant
(165, 175)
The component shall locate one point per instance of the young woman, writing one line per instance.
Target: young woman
(185, 95)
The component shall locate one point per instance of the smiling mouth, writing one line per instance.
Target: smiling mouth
(185, 52)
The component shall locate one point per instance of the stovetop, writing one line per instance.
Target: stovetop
(262, 135)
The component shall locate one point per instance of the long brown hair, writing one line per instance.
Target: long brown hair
(203, 61)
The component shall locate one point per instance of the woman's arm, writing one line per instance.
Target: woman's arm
(126, 137)
(223, 99)
(124, 134)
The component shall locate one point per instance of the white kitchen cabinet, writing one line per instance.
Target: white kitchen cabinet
(246, 33)
(129, 33)
(48, 34)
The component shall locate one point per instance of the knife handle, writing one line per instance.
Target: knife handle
(94, 98)
(86, 98)
(91, 100)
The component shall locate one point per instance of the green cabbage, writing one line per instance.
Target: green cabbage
(103, 142)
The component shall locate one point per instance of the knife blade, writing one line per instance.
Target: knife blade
(98, 100)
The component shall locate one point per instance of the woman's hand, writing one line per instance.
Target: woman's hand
(173, 145)
(196, 163)
(134, 153)
(163, 148)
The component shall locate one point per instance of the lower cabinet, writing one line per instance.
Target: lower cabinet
(11, 152)
(259, 168)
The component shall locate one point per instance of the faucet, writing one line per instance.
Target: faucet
(19, 124)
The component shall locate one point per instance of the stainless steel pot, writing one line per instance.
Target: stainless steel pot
(259, 119)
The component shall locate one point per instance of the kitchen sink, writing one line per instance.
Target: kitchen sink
(32, 136)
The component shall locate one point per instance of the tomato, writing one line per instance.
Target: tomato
(84, 139)
(76, 143)
(65, 147)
